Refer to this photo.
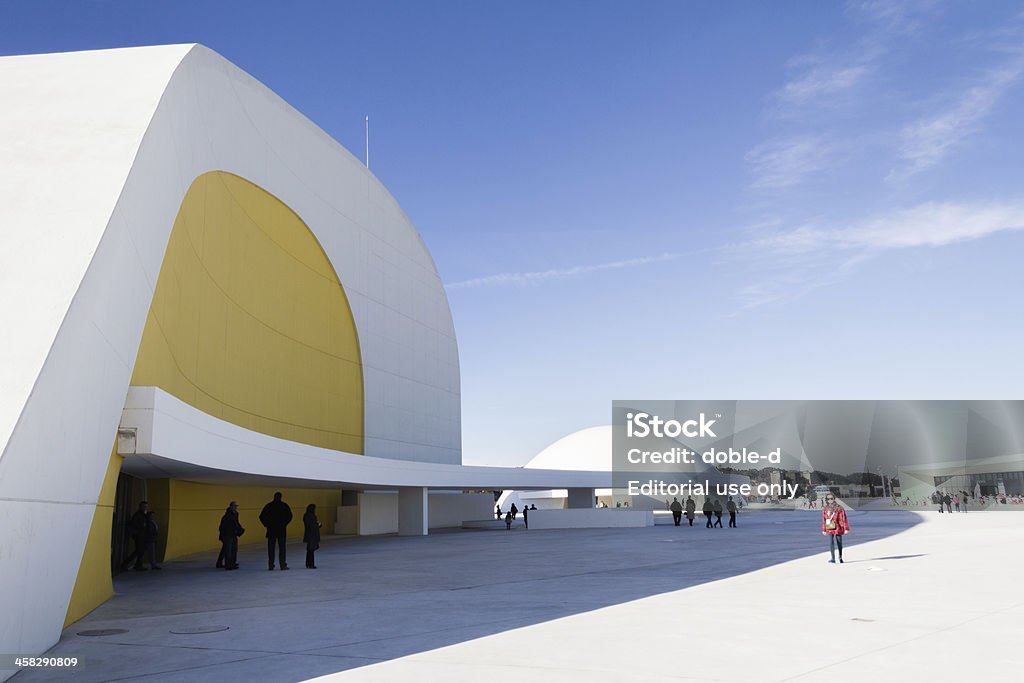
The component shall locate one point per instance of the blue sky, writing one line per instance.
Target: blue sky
(664, 199)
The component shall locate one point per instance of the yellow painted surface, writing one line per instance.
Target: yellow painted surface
(249, 321)
(93, 585)
(196, 509)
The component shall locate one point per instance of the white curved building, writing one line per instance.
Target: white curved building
(588, 449)
(204, 297)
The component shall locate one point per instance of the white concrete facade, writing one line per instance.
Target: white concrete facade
(97, 151)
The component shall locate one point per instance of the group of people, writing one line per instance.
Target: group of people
(275, 517)
(512, 512)
(943, 499)
(710, 507)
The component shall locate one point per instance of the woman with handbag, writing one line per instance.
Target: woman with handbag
(834, 525)
(311, 536)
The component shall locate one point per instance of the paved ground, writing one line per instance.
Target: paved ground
(921, 596)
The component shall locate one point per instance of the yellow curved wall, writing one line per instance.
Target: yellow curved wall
(194, 512)
(249, 322)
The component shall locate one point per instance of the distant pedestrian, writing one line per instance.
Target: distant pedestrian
(731, 507)
(526, 516)
(137, 531)
(707, 509)
(497, 512)
(834, 525)
(152, 530)
(677, 511)
(311, 534)
(949, 503)
(230, 530)
(956, 502)
(508, 519)
(514, 510)
(275, 517)
(691, 508)
(718, 513)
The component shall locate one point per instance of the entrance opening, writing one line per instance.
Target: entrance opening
(130, 492)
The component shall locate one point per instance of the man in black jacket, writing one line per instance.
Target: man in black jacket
(677, 511)
(275, 516)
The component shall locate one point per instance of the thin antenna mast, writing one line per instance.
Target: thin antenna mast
(367, 142)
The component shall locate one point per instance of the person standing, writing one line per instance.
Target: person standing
(137, 530)
(275, 517)
(718, 513)
(677, 511)
(707, 509)
(508, 519)
(514, 510)
(526, 516)
(691, 509)
(152, 530)
(230, 530)
(497, 511)
(834, 525)
(731, 507)
(311, 535)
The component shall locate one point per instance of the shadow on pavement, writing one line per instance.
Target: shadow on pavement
(378, 598)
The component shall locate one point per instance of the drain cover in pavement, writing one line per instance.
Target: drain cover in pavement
(199, 629)
(103, 632)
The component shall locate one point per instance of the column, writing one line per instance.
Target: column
(412, 511)
(581, 498)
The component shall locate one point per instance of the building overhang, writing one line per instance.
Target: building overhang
(161, 436)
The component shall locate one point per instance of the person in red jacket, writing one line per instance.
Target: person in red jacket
(834, 525)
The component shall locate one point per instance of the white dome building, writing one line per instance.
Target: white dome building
(586, 449)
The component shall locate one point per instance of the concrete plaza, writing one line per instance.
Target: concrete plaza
(920, 596)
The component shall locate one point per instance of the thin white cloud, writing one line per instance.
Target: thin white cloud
(813, 255)
(786, 162)
(932, 224)
(542, 276)
(822, 81)
(899, 17)
(927, 141)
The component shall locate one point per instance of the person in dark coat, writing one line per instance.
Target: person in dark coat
(275, 517)
(230, 530)
(526, 516)
(514, 510)
(311, 535)
(718, 513)
(677, 511)
(731, 507)
(707, 509)
(508, 519)
(137, 529)
(152, 531)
